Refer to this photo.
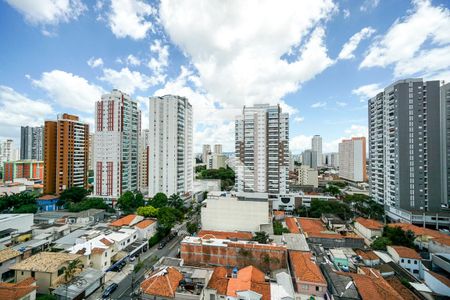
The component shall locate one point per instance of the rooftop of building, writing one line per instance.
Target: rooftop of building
(445, 280)
(367, 255)
(369, 223)
(405, 252)
(239, 235)
(7, 254)
(228, 243)
(16, 291)
(163, 282)
(47, 262)
(145, 223)
(127, 221)
(79, 283)
(305, 269)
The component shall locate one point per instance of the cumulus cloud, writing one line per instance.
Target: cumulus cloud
(250, 51)
(318, 104)
(299, 143)
(95, 62)
(160, 61)
(416, 44)
(346, 13)
(130, 18)
(353, 42)
(128, 81)
(133, 60)
(299, 119)
(48, 12)
(354, 130)
(341, 103)
(369, 5)
(367, 91)
(69, 90)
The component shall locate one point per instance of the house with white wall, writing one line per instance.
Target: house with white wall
(407, 258)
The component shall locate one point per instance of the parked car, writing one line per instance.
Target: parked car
(161, 245)
(109, 290)
(132, 258)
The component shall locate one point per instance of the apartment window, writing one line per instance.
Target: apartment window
(403, 260)
(415, 262)
(318, 289)
(409, 261)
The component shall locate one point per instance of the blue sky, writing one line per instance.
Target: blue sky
(320, 60)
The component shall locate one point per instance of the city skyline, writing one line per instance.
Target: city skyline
(144, 57)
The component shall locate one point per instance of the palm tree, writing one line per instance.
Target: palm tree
(175, 201)
(71, 269)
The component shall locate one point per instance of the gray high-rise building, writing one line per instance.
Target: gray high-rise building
(309, 158)
(31, 142)
(262, 150)
(406, 149)
(316, 146)
(445, 141)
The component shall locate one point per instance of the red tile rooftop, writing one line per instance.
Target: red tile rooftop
(123, 221)
(304, 268)
(240, 235)
(406, 252)
(369, 223)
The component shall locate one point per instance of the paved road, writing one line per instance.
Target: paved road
(148, 258)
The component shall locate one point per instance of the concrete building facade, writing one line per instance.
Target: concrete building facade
(352, 163)
(262, 150)
(171, 145)
(316, 146)
(66, 151)
(28, 169)
(32, 143)
(406, 148)
(116, 139)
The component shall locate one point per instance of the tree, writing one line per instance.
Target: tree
(167, 217)
(88, 203)
(23, 202)
(74, 194)
(333, 190)
(261, 237)
(380, 243)
(71, 269)
(318, 207)
(175, 201)
(191, 227)
(278, 228)
(126, 201)
(147, 211)
(138, 199)
(226, 175)
(159, 200)
(398, 236)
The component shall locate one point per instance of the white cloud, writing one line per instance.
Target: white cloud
(48, 12)
(346, 13)
(369, 5)
(159, 63)
(18, 110)
(413, 44)
(353, 42)
(352, 131)
(299, 119)
(130, 18)
(95, 62)
(299, 143)
(69, 90)
(341, 104)
(238, 48)
(318, 104)
(133, 60)
(367, 91)
(129, 81)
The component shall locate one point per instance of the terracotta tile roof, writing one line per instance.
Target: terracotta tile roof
(249, 278)
(240, 235)
(401, 289)
(371, 285)
(291, 223)
(48, 262)
(15, 291)
(418, 230)
(219, 280)
(7, 254)
(445, 240)
(106, 242)
(369, 223)
(370, 255)
(163, 283)
(304, 268)
(315, 228)
(440, 277)
(125, 221)
(97, 250)
(406, 252)
(145, 223)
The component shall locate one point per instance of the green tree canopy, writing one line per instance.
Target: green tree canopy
(167, 217)
(159, 200)
(24, 202)
(74, 194)
(278, 228)
(147, 211)
(380, 243)
(175, 201)
(261, 237)
(192, 227)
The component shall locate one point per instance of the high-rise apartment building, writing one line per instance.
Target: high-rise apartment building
(206, 150)
(116, 139)
(307, 176)
(352, 163)
(171, 145)
(31, 143)
(316, 146)
(406, 124)
(144, 152)
(445, 142)
(218, 148)
(309, 158)
(66, 150)
(7, 151)
(262, 150)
